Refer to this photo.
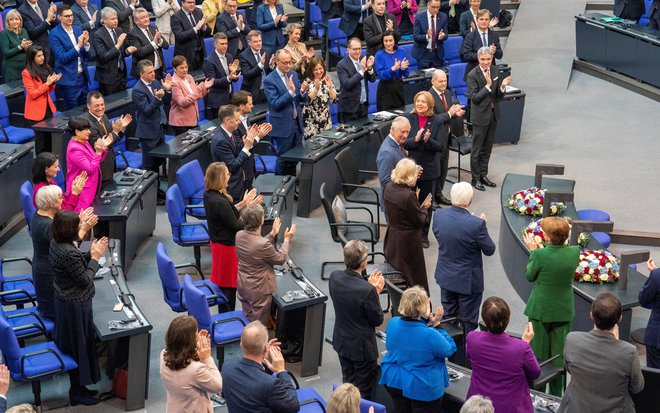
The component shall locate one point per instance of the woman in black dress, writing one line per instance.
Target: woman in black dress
(74, 289)
(222, 219)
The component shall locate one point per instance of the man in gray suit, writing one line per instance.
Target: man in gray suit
(604, 370)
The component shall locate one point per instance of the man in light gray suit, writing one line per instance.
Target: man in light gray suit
(604, 370)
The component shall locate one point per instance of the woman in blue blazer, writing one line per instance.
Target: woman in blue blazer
(649, 297)
(270, 21)
(413, 370)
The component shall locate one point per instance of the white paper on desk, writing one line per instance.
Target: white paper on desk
(511, 89)
(429, 70)
(385, 114)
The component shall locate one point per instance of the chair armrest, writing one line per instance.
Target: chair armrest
(190, 265)
(550, 360)
(45, 373)
(19, 291)
(263, 164)
(17, 118)
(194, 224)
(310, 401)
(16, 259)
(41, 326)
(18, 329)
(365, 171)
(353, 224)
(225, 321)
(371, 215)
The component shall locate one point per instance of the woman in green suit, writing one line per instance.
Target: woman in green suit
(14, 41)
(550, 307)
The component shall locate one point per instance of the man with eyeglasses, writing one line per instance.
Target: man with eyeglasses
(234, 26)
(354, 74)
(430, 32)
(285, 93)
(70, 46)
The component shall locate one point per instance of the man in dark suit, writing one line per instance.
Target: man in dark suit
(629, 9)
(221, 67)
(100, 126)
(654, 15)
(354, 74)
(445, 110)
(468, 21)
(649, 297)
(357, 314)
(189, 28)
(485, 89)
(233, 149)
(482, 37)
(246, 384)
(38, 20)
(375, 25)
(462, 238)
(233, 25)
(109, 44)
(429, 34)
(70, 59)
(148, 97)
(391, 151)
(355, 12)
(453, 9)
(285, 94)
(125, 9)
(149, 43)
(605, 370)
(255, 65)
(87, 17)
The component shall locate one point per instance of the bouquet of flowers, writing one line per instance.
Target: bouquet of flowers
(534, 228)
(597, 267)
(530, 202)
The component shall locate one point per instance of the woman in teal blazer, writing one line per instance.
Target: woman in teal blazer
(550, 307)
(14, 41)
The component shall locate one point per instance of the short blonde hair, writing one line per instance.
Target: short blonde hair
(47, 196)
(292, 27)
(345, 399)
(405, 172)
(414, 302)
(22, 408)
(430, 102)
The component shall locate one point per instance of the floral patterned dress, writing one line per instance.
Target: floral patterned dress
(317, 111)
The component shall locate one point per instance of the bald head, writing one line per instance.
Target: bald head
(254, 339)
(439, 80)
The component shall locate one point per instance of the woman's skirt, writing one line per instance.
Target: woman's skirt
(224, 265)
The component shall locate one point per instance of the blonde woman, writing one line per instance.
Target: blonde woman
(300, 54)
(211, 10)
(14, 41)
(164, 9)
(345, 399)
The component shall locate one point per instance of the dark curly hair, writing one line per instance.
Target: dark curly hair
(181, 343)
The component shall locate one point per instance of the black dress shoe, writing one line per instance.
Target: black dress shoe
(160, 202)
(440, 199)
(478, 185)
(76, 398)
(91, 392)
(488, 182)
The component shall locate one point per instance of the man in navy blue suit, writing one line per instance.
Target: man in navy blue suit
(222, 67)
(255, 65)
(148, 96)
(87, 17)
(246, 384)
(70, 46)
(355, 11)
(462, 238)
(429, 33)
(234, 26)
(475, 40)
(284, 94)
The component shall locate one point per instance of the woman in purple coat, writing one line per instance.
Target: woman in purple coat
(501, 365)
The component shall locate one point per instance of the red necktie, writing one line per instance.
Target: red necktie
(444, 102)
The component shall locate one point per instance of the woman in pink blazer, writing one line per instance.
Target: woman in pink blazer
(81, 156)
(187, 368)
(404, 11)
(184, 112)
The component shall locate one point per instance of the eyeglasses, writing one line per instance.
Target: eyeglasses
(66, 16)
(285, 63)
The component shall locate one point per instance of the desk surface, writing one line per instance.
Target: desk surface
(644, 32)
(286, 282)
(119, 207)
(516, 222)
(10, 151)
(11, 89)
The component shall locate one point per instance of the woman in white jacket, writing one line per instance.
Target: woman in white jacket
(164, 9)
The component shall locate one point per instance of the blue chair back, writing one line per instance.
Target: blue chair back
(336, 37)
(315, 19)
(11, 351)
(130, 79)
(98, 5)
(373, 89)
(168, 55)
(208, 45)
(197, 305)
(334, 113)
(190, 179)
(175, 211)
(453, 49)
(202, 112)
(92, 84)
(27, 203)
(644, 19)
(456, 82)
(4, 112)
(407, 49)
(168, 278)
(59, 180)
(237, 84)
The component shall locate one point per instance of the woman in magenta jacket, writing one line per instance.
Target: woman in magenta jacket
(81, 156)
(501, 365)
(404, 11)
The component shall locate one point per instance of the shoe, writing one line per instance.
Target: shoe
(440, 199)
(425, 243)
(76, 398)
(91, 392)
(160, 202)
(478, 185)
(488, 182)
(435, 206)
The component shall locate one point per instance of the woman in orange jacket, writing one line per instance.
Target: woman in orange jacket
(39, 81)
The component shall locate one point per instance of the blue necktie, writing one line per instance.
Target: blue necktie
(483, 39)
(363, 92)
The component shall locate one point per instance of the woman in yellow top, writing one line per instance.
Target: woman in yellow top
(211, 9)
(300, 54)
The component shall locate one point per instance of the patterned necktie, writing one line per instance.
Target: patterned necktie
(433, 34)
(483, 39)
(192, 19)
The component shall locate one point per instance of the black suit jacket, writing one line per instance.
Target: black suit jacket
(124, 14)
(439, 108)
(145, 50)
(373, 32)
(220, 91)
(37, 28)
(107, 56)
(252, 73)
(229, 149)
(248, 167)
(471, 45)
(350, 82)
(357, 314)
(225, 24)
(427, 154)
(483, 101)
(187, 41)
(248, 388)
(108, 165)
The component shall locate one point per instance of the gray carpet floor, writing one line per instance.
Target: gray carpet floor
(605, 135)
